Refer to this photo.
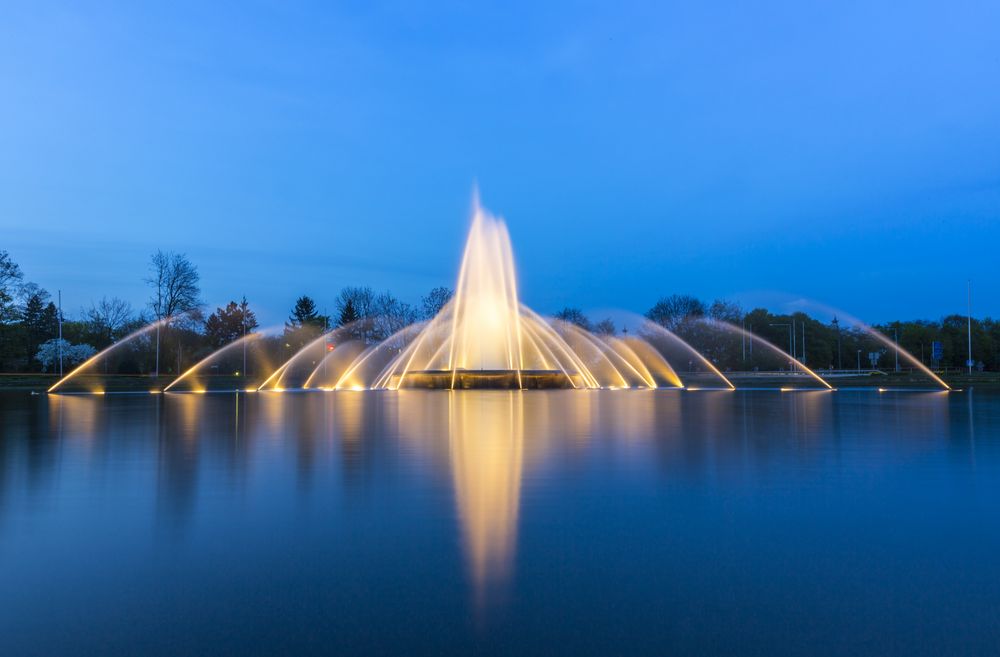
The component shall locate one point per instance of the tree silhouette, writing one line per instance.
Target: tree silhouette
(230, 323)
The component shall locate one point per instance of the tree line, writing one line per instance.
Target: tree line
(730, 337)
(29, 327)
(29, 321)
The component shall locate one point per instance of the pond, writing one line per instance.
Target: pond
(491, 522)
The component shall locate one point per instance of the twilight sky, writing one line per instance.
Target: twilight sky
(848, 152)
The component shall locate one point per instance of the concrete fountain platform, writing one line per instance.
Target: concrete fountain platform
(485, 379)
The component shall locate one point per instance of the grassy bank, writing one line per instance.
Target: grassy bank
(114, 383)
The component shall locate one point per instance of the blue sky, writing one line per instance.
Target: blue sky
(844, 152)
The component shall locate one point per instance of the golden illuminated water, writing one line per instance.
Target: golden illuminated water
(483, 337)
(485, 328)
(486, 452)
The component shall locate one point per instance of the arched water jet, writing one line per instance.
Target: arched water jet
(726, 326)
(315, 348)
(374, 363)
(338, 357)
(649, 330)
(483, 338)
(655, 363)
(883, 339)
(81, 368)
(241, 342)
(610, 352)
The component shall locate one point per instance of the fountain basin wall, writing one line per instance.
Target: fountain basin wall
(486, 379)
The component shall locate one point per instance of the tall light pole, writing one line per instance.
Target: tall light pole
(803, 343)
(969, 361)
(60, 335)
(840, 360)
(156, 371)
(792, 350)
(859, 361)
(243, 313)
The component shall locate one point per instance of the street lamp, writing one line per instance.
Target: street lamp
(859, 361)
(969, 361)
(243, 317)
(840, 360)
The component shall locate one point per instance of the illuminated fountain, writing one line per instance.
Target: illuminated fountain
(484, 337)
(88, 372)
(795, 365)
(883, 340)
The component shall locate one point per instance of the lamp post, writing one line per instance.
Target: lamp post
(969, 361)
(60, 342)
(803, 345)
(156, 370)
(840, 360)
(859, 361)
(243, 315)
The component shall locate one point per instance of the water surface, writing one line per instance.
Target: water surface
(578, 522)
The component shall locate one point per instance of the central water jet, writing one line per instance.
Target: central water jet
(484, 337)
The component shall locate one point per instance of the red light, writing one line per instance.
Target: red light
(329, 346)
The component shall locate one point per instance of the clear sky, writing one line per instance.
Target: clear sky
(847, 152)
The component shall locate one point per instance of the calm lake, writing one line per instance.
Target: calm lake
(537, 522)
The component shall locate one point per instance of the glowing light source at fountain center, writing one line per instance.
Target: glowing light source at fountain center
(486, 319)
(484, 337)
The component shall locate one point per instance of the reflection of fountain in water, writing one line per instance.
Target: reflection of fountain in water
(480, 438)
(486, 452)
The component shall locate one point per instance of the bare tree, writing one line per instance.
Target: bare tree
(725, 311)
(390, 315)
(574, 316)
(605, 327)
(108, 317)
(673, 311)
(10, 285)
(174, 280)
(362, 300)
(435, 300)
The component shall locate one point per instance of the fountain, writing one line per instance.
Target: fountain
(883, 340)
(88, 366)
(484, 337)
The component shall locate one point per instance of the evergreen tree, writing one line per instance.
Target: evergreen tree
(348, 314)
(305, 324)
(304, 314)
(230, 323)
(40, 323)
